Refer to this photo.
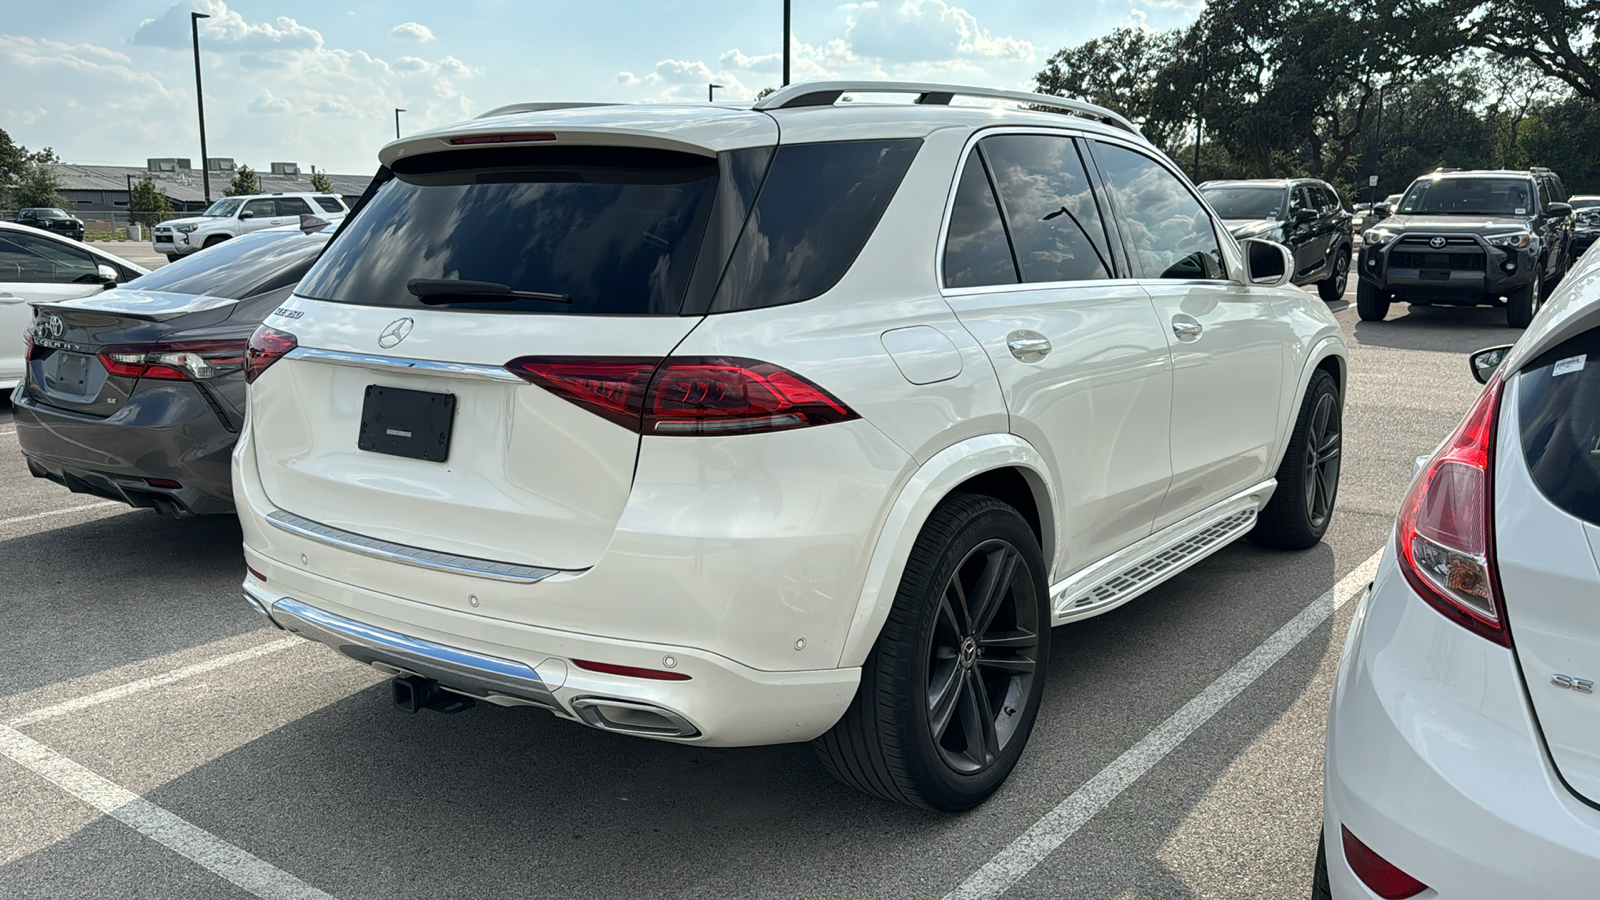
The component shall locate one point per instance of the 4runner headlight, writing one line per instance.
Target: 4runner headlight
(185, 229)
(1377, 237)
(1515, 240)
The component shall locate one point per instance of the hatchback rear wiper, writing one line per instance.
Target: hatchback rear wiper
(438, 291)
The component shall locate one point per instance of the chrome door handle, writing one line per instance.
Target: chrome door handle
(1028, 346)
(1186, 331)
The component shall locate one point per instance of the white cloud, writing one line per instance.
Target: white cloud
(225, 30)
(412, 31)
(266, 102)
(921, 31)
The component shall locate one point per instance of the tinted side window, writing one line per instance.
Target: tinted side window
(817, 207)
(976, 251)
(1559, 407)
(36, 260)
(1168, 231)
(263, 208)
(293, 206)
(329, 204)
(1049, 207)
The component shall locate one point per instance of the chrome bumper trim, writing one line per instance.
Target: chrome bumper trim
(430, 366)
(461, 671)
(406, 554)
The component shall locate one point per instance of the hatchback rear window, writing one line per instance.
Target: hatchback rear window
(1559, 403)
(616, 230)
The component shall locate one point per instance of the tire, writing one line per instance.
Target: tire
(1332, 288)
(214, 240)
(1320, 889)
(1371, 304)
(1554, 281)
(1523, 304)
(172, 257)
(1298, 514)
(889, 742)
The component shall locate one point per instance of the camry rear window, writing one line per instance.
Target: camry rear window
(240, 268)
(1559, 402)
(595, 230)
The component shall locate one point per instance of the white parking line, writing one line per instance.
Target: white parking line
(154, 681)
(60, 512)
(1009, 866)
(6, 431)
(177, 834)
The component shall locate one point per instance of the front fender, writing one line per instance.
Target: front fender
(931, 483)
(1325, 346)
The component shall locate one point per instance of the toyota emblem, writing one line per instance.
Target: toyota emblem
(1436, 243)
(395, 333)
(55, 325)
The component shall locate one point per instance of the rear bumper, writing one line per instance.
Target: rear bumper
(168, 434)
(1435, 762)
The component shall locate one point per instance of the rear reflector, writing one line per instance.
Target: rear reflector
(522, 138)
(267, 346)
(1377, 873)
(254, 574)
(686, 395)
(167, 483)
(629, 671)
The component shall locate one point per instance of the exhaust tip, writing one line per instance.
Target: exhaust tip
(629, 717)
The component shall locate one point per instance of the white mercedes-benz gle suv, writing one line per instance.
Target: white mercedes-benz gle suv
(801, 422)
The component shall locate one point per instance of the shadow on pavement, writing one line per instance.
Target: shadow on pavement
(1447, 329)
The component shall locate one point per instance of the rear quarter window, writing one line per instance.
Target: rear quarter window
(1559, 409)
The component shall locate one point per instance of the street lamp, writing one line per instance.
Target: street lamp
(200, 101)
(711, 90)
(397, 112)
(785, 43)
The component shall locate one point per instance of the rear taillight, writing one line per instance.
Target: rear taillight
(686, 395)
(183, 361)
(267, 346)
(1382, 877)
(29, 347)
(1445, 533)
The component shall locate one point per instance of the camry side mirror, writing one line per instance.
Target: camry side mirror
(247, 214)
(106, 275)
(1486, 361)
(1558, 210)
(1267, 263)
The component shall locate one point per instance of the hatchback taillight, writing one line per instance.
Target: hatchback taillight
(1382, 877)
(182, 361)
(686, 395)
(267, 346)
(1445, 532)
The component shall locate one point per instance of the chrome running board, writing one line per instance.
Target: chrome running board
(406, 554)
(1123, 576)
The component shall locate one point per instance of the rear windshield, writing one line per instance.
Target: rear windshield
(240, 268)
(1559, 402)
(614, 229)
(1246, 202)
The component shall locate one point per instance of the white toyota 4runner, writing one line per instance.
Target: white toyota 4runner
(802, 422)
(233, 216)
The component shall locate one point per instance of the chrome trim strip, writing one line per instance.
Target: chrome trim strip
(406, 554)
(462, 671)
(429, 366)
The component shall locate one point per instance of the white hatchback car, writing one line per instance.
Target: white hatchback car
(748, 426)
(1463, 755)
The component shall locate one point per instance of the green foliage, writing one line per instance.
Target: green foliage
(245, 181)
(1116, 71)
(321, 182)
(28, 179)
(147, 206)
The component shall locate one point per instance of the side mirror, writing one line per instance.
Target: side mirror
(1485, 362)
(1558, 210)
(247, 214)
(310, 224)
(1302, 216)
(1267, 263)
(1382, 211)
(106, 275)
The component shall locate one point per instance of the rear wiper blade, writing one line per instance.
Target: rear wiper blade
(438, 291)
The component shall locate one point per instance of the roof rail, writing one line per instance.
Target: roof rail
(826, 93)
(535, 107)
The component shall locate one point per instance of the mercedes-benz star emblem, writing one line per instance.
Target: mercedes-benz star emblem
(395, 333)
(56, 326)
(1436, 243)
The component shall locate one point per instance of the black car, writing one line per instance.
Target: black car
(137, 394)
(1303, 214)
(51, 219)
(1467, 238)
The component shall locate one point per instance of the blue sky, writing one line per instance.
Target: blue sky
(112, 81)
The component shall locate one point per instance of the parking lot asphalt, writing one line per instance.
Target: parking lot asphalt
(158, 739)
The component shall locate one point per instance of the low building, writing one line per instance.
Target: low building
(100, 193)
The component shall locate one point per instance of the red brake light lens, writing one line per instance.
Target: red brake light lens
(184, 361)
(1377, 873)
(613, 388)
(267, 346)
(522, 138)
(1444, 532)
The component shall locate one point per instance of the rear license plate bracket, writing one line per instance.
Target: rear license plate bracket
(401, 422)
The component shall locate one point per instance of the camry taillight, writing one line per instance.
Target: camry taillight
(1445, 534)
(267, 346)
(182, 361)
(686, 395)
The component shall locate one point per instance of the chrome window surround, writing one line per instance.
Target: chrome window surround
(406, 554)
(404, 364)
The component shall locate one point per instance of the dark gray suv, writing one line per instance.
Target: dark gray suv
(1469, 238)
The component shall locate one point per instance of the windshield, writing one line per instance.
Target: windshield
(48, 213)
(240, 268)
(224, 207)
(1584, 202)
(1468, 197)
(1245, 202)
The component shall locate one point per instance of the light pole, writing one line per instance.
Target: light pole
(397, 112)
(785, 43)
(1377, 151)
(711, 90)
(200, 101)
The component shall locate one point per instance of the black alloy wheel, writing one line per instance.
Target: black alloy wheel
(980, 657)
(1322, 458)
(1298, 514)
(1523, 304)
(1333, 287)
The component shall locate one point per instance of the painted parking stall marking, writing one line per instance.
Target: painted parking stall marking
(1010, 865)
(61, 512)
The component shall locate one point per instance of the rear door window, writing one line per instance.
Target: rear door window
(1168, 232)
(976, 252)
(1559, 407)
(1049, 207)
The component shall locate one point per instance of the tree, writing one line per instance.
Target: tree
(1560, 38)
(321, 182)
(244, 181)
(762, 94)
(1117, 71)
(38, 184)
(147, 206)
(13, 158)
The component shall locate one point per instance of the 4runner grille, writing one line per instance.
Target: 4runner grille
(1460, 262)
